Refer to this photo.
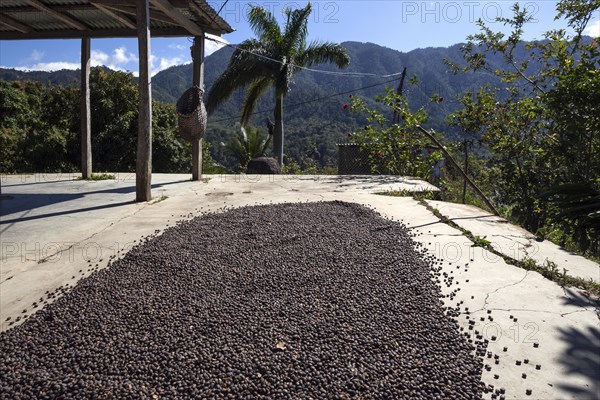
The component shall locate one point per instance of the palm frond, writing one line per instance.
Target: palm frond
(255, 90)
(576, 201)
(243, 69)
(296, 29)
(257, 143)
(324, 52)
(264, 25)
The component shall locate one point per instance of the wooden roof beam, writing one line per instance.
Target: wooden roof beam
(67, 20)
(121, 18)
(6, 20)
(171, 11)
(201, 14)
(96, 33)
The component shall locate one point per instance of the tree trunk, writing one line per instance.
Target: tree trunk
(278, 135)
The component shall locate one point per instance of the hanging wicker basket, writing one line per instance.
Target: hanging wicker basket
(192, 114)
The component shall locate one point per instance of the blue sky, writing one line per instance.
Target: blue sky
(400, 25)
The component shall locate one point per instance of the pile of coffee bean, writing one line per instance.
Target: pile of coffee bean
(312, 300)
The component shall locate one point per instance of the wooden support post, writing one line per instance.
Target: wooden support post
(143, 169)
(198, 80)
(86, 120)
(464, 194)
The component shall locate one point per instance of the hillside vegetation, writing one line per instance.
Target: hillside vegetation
(315, 119)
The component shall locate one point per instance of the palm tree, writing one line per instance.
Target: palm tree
(271, 60)
(249, 144)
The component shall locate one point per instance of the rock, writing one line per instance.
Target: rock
(263, 166)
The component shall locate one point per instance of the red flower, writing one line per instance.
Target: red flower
(350, 96)
(345, 106)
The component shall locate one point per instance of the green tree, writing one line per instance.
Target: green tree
(394, 148)
(272, 59)
(543, 128)
(36, 132)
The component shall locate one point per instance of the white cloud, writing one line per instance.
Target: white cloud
(211, 46)
(122, 57)
(168, 62)
(36, 55)
(174, 46)
(50, 66)
(98, 58)
(123, 60)
(593, 29)
(116, 61)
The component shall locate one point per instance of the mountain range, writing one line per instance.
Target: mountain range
(315, 119)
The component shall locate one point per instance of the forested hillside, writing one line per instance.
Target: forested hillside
(315, 118)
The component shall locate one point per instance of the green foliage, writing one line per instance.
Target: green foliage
(398, 148)
(100, 177)
(35, 133)
(423, 195)
(479, 241)
(543, 129)
(282, 54)
(248, 144)
(39, 128)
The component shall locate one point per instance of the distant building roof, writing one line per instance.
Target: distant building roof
(64, 19)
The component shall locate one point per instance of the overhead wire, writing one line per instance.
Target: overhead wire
(308, 101)
(338, 73)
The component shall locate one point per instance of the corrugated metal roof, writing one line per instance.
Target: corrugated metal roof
(21, 19)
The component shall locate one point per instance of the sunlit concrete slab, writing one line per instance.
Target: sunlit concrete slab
(516, 242)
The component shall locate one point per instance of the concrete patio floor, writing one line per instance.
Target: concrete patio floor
(56, 230)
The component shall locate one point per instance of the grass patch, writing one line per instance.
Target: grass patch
(159, 199)
(548, 270)
(479, 241)
(99, 177)
(422, 195)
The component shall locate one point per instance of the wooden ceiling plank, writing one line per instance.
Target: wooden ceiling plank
(121, 18)
(58, 8)
(155, 15)
(64, 18)
(21, 27)
(203, 16)
(171, 11)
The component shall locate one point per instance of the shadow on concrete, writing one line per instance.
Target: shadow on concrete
(375, 179)
(4, 185)
(65, 212)
(582, 359)
(24, 202)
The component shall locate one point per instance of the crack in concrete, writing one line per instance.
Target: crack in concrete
(485, 302)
